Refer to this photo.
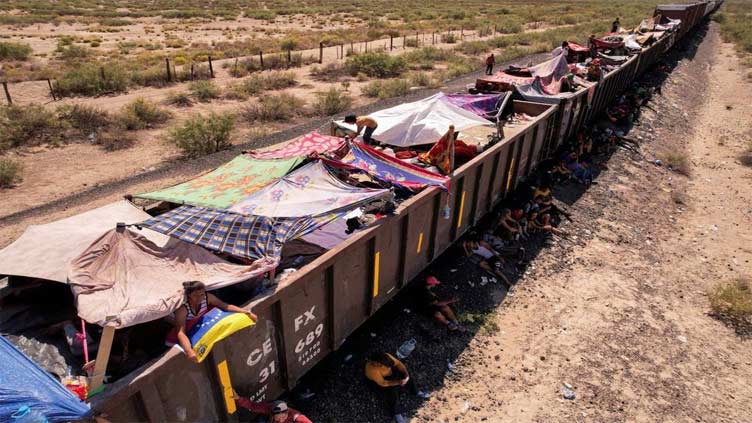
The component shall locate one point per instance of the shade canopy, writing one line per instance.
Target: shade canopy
(44, 251)
(124, 279)
(227, 184)
(421, 122)
(307, 144)
(311, 190)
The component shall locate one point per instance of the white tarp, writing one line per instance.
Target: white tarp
(421, 122)
(44, 251)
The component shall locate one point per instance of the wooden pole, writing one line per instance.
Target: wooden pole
(103, 356)
(261, 59)
(417, 43)
(52, 91)
(101, 73)
(494, 33)
(211, 68)
(193, 71)
(365, 46)
(433, 38)
(7, 93)
(289, 57)
(321, 52)
(404, 41)
(391, 42)
(167, 64)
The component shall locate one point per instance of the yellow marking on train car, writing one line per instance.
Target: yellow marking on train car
(376, 261)
(509, 177)
(224, 380)
(462, 208)
(420, 242)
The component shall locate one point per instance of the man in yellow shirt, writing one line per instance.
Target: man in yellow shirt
(363, 122)
(391, 375)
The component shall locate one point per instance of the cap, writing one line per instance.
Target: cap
(279, 407)
(432, 281)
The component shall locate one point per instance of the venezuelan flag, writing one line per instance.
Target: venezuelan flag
(213, 327)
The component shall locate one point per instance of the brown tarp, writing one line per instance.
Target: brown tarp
(44, 251)
(124, 279)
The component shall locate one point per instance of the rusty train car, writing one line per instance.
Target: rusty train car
(311, 313)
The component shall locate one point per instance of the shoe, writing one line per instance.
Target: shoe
(399, 418)
(424, 395)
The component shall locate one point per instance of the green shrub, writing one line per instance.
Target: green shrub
(29, 126)
(204, 91)
(155, 76)
(75, 52)
(178, 99)
(678, 162)
(90, 80)
(376, 64)
(448, 38)
(235, 91)
(277, 107)
(84, 118)
(411, 42)
(331, 102)
(10, 172)
(279, 80)
(421, 79)
(329, 72)
(142, 114)
(14, 51)
(386, 89)
(201, 135)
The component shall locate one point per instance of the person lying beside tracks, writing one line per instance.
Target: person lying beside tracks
(197, 303)
(481, 253)
(277, 410)
(391, 376)
(541, 222)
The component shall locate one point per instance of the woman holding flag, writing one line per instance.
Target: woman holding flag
(197, 303)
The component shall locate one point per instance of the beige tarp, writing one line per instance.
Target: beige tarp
(124, 279)
(44, 251)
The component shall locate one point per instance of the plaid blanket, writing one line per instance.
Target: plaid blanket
(251, 237)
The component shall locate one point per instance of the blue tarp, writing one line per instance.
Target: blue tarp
(23, 382)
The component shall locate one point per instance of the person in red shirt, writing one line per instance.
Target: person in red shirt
(277, 410)
(490, 62)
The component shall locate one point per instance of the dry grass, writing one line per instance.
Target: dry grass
(731, 302)
(678, 162)
(10, 172)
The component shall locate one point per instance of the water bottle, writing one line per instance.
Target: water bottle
(26, 414)
(406, 348)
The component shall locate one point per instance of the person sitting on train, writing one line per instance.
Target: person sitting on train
(430, 305)
(481, 253)
(197, 303)
(391, 376)
(365, 124)
(277, 410)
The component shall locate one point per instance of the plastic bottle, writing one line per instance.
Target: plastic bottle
(26, 414)
(406, 349)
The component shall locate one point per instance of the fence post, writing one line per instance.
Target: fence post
(391, 42)
(351, 47)
(193, 72)
(417, 42)
(321, 52)
(261, 59)
(52, 91)
(494, 33)
(167, 64)
(7, 93)
(101, 73)
(433, 38)
(462, 32)
(211, 68)
(289, 58)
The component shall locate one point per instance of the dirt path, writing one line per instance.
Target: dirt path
(622, 317)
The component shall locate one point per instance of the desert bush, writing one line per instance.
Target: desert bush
(178, 99)
(277, 107)
(376, 64)
(411, 42)
(14, 51)
(204, 91)
(86, 119)
(329, 72)
(421, 79)
(387, 88)
(114, 140)
(155, 76)
(473, 48)
(732, 300)
(142, 114)
(90, 80)
(448, 38)
(678, 162)
(235, 91)
(201, 135)
(331, 102)
(279, 80)
(458, 67)
(10, 172)
(28, 126)
(74, 51)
